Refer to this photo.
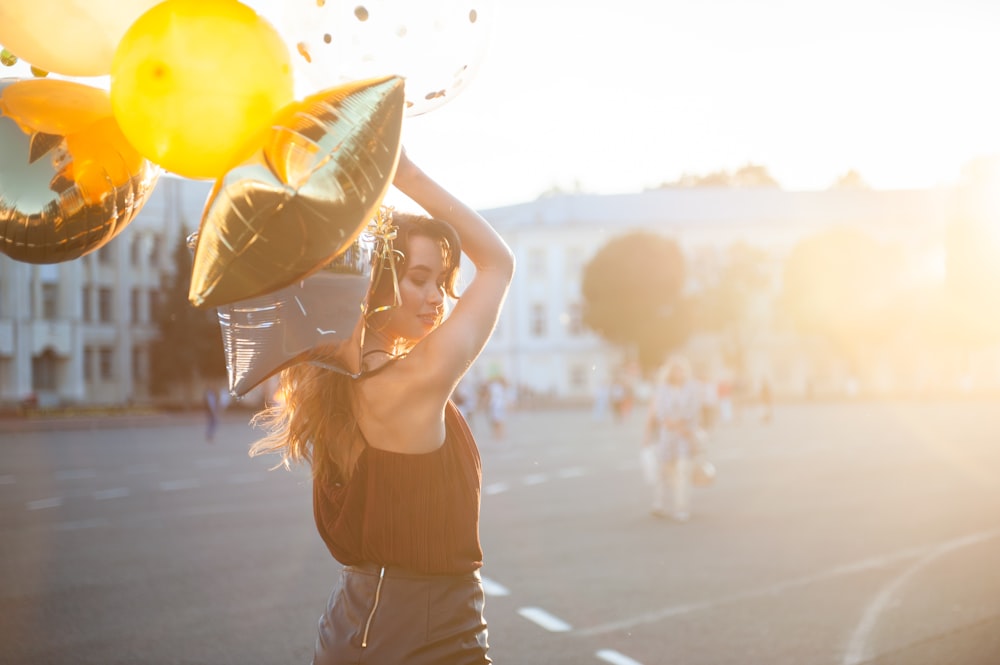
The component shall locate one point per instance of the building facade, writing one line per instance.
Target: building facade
(80, 332)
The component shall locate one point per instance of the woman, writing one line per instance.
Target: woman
(396, 472)
(672, 426)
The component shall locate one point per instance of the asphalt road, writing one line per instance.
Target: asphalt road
(837, 534)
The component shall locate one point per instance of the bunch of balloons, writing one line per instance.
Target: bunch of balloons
(297, 120)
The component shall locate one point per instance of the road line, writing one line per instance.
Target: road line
(545, 620)
(615, 658)
(780, 587)
(173, 485)
(496, 488)
(857, 648)
(41, 504)
(113, 493)
(535, 479)
(494, 588)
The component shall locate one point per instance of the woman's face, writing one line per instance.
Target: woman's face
(421, 290)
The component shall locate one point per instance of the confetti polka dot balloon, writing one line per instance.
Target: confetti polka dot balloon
(435, 45)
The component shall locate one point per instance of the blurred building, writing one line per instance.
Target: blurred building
(540, 345)
(79, 332)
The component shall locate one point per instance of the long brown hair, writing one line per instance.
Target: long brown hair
(314, 420)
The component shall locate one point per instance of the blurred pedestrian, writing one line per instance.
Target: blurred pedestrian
(497, 406)
(212, 408)
(672, 428)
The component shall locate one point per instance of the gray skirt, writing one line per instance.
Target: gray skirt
(384, 616)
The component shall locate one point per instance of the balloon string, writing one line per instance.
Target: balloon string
(384, 231)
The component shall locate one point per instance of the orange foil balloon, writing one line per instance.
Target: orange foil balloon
(69, 180)
(326, 164)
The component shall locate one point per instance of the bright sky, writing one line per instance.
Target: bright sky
(612, 97)
(619, 96)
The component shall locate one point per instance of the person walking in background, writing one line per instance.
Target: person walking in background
(396, 471)
(672, 428)
(212, 406)
(497, 406)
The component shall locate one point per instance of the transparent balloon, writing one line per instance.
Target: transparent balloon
(436, 45)
(69, 180)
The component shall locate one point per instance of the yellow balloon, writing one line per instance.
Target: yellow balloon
(195, 83)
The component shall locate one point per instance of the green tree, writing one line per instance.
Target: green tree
(632, 295)
(189, 347)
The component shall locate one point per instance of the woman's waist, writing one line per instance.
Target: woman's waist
(401, 572)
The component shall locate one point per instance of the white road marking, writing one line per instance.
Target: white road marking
(496, 488)
(615, 658)
(75, 474)
(833, 573)
(41, 504)
(535, 479)
(545, 620)
(113, 493)
(494, 588)
(857, 648)
(173, 485)
(7, 480)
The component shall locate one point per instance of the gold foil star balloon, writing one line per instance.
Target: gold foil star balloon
(69, 180)
(325, 166)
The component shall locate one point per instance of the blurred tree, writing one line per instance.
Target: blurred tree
(838, 285)
(750, 175)
(632, 295)
(850, 180)
(722, 306)
(189, 347)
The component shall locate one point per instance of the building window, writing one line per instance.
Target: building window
(574, 319)
(104, 304)
(139, 368)
(154, 305)
(536, 263)
(88, 363)
(538, 328)
(43, 371)
(135, 251)
(136, 305)
(86, 305)
(50, 300)
(154, 252)
(106, 363)
(104, 256)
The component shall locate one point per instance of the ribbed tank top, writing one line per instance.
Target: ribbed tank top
(419, 512)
